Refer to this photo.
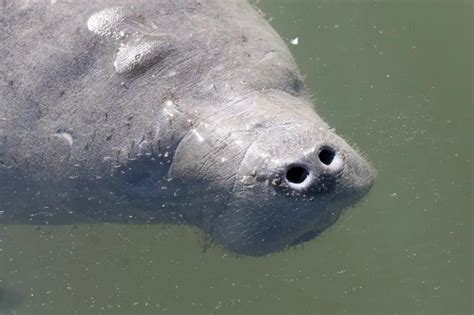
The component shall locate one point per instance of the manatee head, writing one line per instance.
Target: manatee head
(286, 176)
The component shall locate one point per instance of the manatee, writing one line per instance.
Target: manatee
(141, 111)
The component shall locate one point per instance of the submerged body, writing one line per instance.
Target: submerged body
(179, 111)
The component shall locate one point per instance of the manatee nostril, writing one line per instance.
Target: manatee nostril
(326, 156)
(297, 174)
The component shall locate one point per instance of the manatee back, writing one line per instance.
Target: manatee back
(89, 118)
(69, 78)
(61, 102)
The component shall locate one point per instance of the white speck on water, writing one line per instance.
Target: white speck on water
(393, 194)
(198, 136)
(336, 25)
(222, 160)
(294, 41)
(169, 103)
(388, 75)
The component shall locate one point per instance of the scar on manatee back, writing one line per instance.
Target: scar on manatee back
(139, 44)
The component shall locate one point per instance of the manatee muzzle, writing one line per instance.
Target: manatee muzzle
(290, 188)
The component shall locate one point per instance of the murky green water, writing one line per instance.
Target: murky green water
(395, 77)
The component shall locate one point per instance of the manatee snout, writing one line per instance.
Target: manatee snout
(293, 183)
(320, 173)
(332, 166)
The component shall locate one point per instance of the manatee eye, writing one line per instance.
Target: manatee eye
(296, 174)
(326, 156)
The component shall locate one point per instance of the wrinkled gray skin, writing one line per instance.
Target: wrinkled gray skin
(165, 111)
